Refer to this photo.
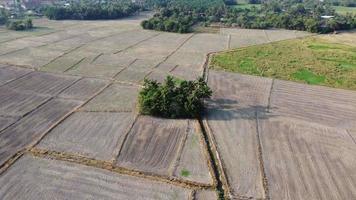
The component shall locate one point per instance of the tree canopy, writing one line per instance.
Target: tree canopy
(305, 15)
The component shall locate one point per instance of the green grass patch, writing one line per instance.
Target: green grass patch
(185, 173)
(310, 60)
(308, 76)
(343, 10)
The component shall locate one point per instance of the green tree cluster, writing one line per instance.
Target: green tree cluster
(91, 10)
(3, 16)
(304, 15)
(174, 98)
(19, 24)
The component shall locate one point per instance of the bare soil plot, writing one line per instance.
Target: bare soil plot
(17, 45)
(205, 195)
(277, 35)
(36, 179)
(166, 66)
(187, 72)
(158, 76)
(194, 160)
(86, 68)
(17, 104)
(120, 41)
(51, 38)
(132, 75)
(235, 135)
(205, 43)
(187, 59)
(10, 73)
(113, 60)
(307, 161)
(152, 145)
(31, 57)
(7, 35)
(328, 106)
(83, 89)
(42, 83)
(159, 47)
(244, 37)
(117, 97)
(62, 63)
(70, 43)
(247, 93)
(28, 129)
(5, 122)
(91, 134)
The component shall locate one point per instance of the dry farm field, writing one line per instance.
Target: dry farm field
(69, 126)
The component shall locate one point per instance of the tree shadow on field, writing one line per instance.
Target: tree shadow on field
(228, 109)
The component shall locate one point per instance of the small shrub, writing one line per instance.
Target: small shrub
(19, 24)
(174, 98)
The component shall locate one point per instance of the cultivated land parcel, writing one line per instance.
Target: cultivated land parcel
(69, 127)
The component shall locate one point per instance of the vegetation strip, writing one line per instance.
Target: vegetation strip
(260, 158)
(120, 170)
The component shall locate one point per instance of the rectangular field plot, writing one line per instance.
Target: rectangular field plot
(194, 60)
(277, 35)
(120, 42)
(86, 68)
(245, 37)
(42, 83)
(307, 161)
(231, 90)
(187, 72)
(61, 63)
(40, 179)
(132, 75)
(157, 48)
(10, 73)
(83, 89)
(158, 76)
(17, 45)
(113, 60)
(205, 43)
(235, 135)
(117, 97)
(152, 145)
(31, 57)
(328, 106)
(193, 161)
(91, 134)
(28, 129)
(17, 104)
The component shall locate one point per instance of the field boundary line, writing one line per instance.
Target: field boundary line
(74, 65)
(222, 183)
(260, 158)
(270, 96)
(352, 138)
(106, 165)
(120, 146)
